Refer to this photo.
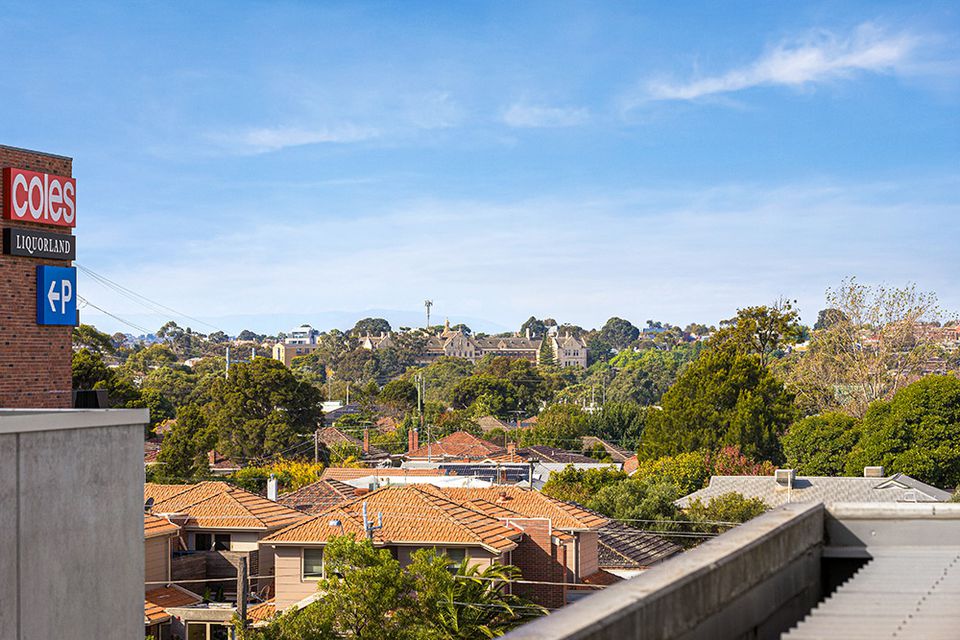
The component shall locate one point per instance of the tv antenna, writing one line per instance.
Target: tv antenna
(427, 304)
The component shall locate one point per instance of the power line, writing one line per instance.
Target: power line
(115, 317)
(144, 301)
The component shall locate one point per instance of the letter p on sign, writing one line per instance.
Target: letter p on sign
(56, 295)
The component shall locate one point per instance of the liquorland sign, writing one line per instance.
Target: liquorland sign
(40, 198)
(39, 244)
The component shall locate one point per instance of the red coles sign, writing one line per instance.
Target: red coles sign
(39, 197)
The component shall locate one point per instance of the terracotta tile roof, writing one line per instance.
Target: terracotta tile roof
(352, 473)
(221, 462)
(156, 601)
(543, 454)
(631, 464)
(151, 449)
(459, 444)
(489, 423)
(218, 505)
(413, 514)
(262, 613)
(620, 546)
(531, 504)
(155, 526)
(318, 496)
(601, 577)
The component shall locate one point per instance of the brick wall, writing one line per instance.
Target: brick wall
(539, 559)
(34, 360)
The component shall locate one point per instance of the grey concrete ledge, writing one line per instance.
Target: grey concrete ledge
(673, 598)
(33, 420)
(894, 510)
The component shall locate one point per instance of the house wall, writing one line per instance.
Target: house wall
(479, 556)
(71, 524)
(35, 360)
(588, 553)
(290, 586)
(156, 554)
(538, 559)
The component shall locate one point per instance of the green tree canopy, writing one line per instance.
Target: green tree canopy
(917, 432)
(820, 445)
(370, 326)
(726, 508)
(722, 398)
(762, 331)
(87, 336)
(261, 409)
(619, 333)
(580, 485)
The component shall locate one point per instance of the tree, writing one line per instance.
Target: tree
(546, 357)
(722, 398)
(249, 336)
(367, 593)
(726, 508)
(559, 425)
(310, 368)
(917, 432)
(619, 333)
(689, 471)
(876, 343)
(183, 456)
(464, 601)
(261, 409)
(580, 485)
(145, 360)
(370, 327)
(86, 336)
(399, 394)
(175, 384)
(620, 422)
(536, 328)
(763, 330)
(648, 501)
(820, 445)
(826, 318)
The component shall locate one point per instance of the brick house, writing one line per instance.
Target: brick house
(549, 540)
(459, 445)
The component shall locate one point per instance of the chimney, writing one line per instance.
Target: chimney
(272, 488)
(511, 448)
(785, 478)
(366, 440)
(528, 333)
(873, 472)
(412, 440)
(416, 439)
(212, 456)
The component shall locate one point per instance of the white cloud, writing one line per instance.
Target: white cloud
(819, 57)
(266, 139)
(533, 116)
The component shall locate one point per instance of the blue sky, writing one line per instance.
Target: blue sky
(258, 164)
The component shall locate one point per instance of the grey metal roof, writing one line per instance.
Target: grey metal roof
(622, 547)
(895, 488)
(904, 592)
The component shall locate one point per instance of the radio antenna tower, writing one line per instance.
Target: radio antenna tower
(428, 304)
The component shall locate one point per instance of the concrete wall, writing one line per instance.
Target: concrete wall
(751, 582)
(71, 524)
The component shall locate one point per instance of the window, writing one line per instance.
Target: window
(221, 542)
(202, 541)
(312, 564)
(207, 631)
(456, 555)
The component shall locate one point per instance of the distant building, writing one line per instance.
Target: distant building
(301, 341)
(568, 350)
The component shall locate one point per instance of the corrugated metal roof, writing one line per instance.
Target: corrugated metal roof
(903, 592)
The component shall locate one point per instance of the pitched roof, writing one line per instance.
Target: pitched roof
(151, 449)
(895, 488)
(218, 505)
(631, 464)
(318, 496)
(459, 444)
(413, 514)
(602, 578)
(617, 454)
(544, 453)
(155, 526)
(620, 546)
(352, 473)
(489, 423)
(156, 601)
(530, 504)
(262, 613)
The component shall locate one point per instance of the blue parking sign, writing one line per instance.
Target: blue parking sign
(56, 295)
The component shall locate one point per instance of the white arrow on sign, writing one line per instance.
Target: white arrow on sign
(64, 296)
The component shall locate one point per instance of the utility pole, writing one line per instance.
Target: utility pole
(242, 592)
(316, 446)
(428, 304)
(226, 373)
